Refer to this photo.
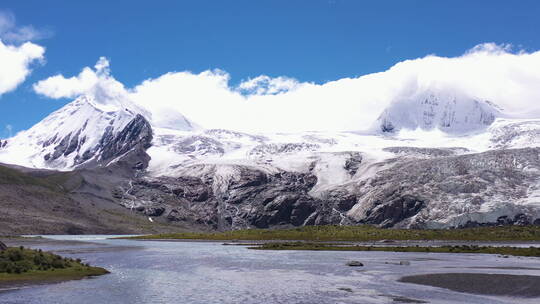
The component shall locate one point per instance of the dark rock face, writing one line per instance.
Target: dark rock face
(73, 143)
(62, 147)
(186, 199)
(421, 192)
(505, 220)
(2, 246)
(128, 145)
(393, 209)
(137, 134)
(409, 192)
(125, 154)
(153, 211)
(353, 163)
(272, 200)
(252, 198)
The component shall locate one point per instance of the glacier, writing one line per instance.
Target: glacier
(432, 160)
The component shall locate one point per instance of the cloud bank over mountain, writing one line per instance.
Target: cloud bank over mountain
(96, 82)
(265, 104)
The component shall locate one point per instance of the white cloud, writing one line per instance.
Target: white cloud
(195, 95)
(265, 85)
(95, 82)
(488, 71)
(15, 63)
(10, 32)
(15, 60)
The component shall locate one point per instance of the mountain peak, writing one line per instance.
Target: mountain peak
(72, 136)
(448, 111)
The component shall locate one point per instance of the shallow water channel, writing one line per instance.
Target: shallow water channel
(208, 272)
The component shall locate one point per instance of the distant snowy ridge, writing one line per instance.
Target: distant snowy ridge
(75, 135)
(449, 112)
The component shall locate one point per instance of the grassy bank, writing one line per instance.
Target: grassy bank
(14, 177)
(20, 265)
(363, 233)
(517, 251)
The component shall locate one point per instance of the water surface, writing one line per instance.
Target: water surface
(208, 272)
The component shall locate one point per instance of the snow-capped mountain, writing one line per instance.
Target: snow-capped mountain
(82, 133)
(443, 160)
(447, 111)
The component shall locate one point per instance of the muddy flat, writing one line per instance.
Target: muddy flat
(526, 286)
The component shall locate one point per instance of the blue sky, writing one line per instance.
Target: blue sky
(312, 41)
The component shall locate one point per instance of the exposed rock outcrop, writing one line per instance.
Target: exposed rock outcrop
(454, 191)
(244, 198)
(443, 190)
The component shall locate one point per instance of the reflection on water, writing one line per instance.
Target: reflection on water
(205, 272)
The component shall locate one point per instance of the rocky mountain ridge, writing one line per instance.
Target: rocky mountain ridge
(220, 179)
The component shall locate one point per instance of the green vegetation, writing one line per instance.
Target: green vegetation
(18, 264)
(54, 181)
(317, 238)
(14, 177)
(518, 251)
(363, 233)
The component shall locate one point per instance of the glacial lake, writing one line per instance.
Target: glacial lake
(209, 272)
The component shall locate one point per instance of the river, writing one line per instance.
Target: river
(208, 272)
